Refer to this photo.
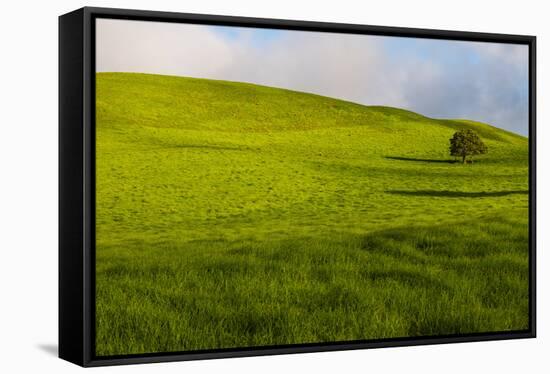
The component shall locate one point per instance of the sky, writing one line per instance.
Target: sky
(486, 82)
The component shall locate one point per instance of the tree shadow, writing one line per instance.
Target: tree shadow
(420, 160)
(433, 193)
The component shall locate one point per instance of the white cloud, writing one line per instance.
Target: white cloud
(161, 48)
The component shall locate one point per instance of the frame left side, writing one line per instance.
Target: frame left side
(73, 321)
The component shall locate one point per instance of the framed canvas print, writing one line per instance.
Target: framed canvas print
(236, 186)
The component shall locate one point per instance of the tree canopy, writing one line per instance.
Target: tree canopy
(466, 143)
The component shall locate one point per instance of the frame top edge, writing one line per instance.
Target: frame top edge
(304, 25)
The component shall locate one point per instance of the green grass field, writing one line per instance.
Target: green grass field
(236, 215)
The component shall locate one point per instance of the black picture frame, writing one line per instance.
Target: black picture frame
(77, 183)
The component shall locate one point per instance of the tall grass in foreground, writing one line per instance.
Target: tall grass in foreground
(465, 277)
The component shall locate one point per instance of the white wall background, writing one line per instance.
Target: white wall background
(28, 184)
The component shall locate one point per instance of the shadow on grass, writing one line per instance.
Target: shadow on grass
(456, 193)
(207, 147)
(420, 160)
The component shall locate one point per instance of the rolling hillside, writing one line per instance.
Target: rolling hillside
(237, 215)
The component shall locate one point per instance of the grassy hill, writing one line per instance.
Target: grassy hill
(232, 215)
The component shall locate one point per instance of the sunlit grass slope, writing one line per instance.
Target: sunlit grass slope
(233, 215)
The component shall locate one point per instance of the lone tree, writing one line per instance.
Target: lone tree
(466, 143)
